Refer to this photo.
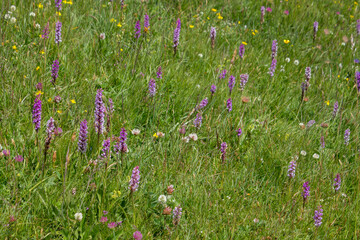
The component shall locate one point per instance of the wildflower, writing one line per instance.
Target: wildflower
(137, 30)
(170, 189)
(103, 219)
(268, 9)
(291, 169)
(203, 103)
(231, 83)
(50, 127)
(83, 132)
(7, 16)
(110, 109)
(229, 105)
(316, 156)
(274, 48)
(212, 36)
(316, 26)
(306, 192)
(6, 153)
(58, 131)
(152, 87)
(13, 8)
(347, 136)
(286, 12)
(13, 20)
(177, 34)
(102, 36)
(322, 140)
(318, 217)
(36, 114)
(336, 108)
(357, 77)
(14, 47)
(193, 136)
(135, 179)
(198, 120)
(121, 144)
(162, 199)
(337, 183)
(18, 158)
(243, 80)
(223, 148)
(135, 131)
(223, 74)
(40, 6)
(78, 216)
(239, 132)
(296, 62)
(307, 74)
(160, 134)
(137, 235)
(182, 130)
(159, 73)
(58, 4)
(287, 60)
(286, 41)
(112, 225)
(37, 26)
(55, 71)
(99, 112)
(177, 215)
(212, 89)
(242, 50)
(146, 23)
(167, 211)
(105, 148)
(58, 32)
(200, 55)
(272, 67)
(303, 153)
(191, 26)
(45, 34)
(358, 27)
(310, 123)
(57, 99)
(213, 9)
(262, 10)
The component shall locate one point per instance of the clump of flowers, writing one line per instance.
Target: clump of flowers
(231, 83)
(243, 80)
(212, 89)
(135, 179)
(241, 51)
(316, 27)
(272, 67)
(306, 191)
(262, 10)
(198, 120)
(55, 71)
(203, 103)
(58, 32)
(336, 108)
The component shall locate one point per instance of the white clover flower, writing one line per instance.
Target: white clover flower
(316, 156)
(7, 16)
(13, 20)
(102, 36)
(32, 14)
(200, 55)
(162, 199)
(303, 153)
(340, 65)
(37, 26)
(185, 139)
(13, 8)
(343, 44)
(287, 60)
(296, 62)
(282, 68)
(135, 131)
(301, 124)
(78, 216)
(193, 136)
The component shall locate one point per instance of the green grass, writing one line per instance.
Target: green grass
(218, 201)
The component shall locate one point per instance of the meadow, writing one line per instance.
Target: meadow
(198, 119)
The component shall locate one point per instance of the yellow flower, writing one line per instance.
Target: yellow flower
(347, 79)
(338, 76)
(327, 102)
(14, 47)
(112, 20)
(39, 93)
(245, 43)
(24, 76)
(49, 100)
(220, 17)
(238, 22)
(40, 6)
(256, 31)
(355, 3)
(286, 41)
(213, 9)
(351, 16)
(119, 24)
(73, 101)
(37, 68)
(85, 111)
(121, 49)
(191, 26)
(42, 52)
(59, 111)
(58, 13)
(155, 135)
(253, 33)
(208, 18)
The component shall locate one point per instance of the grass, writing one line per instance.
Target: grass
(249, 196)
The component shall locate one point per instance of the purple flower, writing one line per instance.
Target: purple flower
(308, 74)
(39, 86)
(243, 80)
(177, 34)
(310, 123)
(229, 105)
(212, 36)
(286, 12)
(6, 153)
(58, 131)
(121, 144)
(268, 9)
(111, 106)
(291, 169)
(177, 212)
(222, 74)
(106, 148)
(356, 60)
(316, 27)
(182, 130)
(135, 179)
(55, 71)
(18, 158)
(322, 140)
(99, 112)
(36, 113)
(137, 235)
(318, 217)
(274, 48)
(146, 23)
(358, 27)
(137, 30)
(50, 127)
(103, 219)
(337, 183)
(45, 34)
(122, 4)
(241, 50)
(152, 87)
(231, 83)
(159, 73)
(58, 32)
(357, 77)
(203, 103)
(112, 225)
(198, 120)
(223, 148)
(272, 67)
(336, 108)
(306, 191)
(347, 136)
(58, 5)
(239, 132)
(212, 89)
(57, 99)
(262, 10)
(83, 132)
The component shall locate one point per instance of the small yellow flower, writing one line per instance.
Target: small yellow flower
(59, 111)
(42, 52)
(191, 26)
(73, 101)
(245, 43)
(347, 79)
(327, 102)
(238, 22)
(112, 20)
(213, 9)
(338, 76)
(121, 49)
(40, 6)
(37, 68)
(286, 41)
(24, 76)
(18, 174)
(39, 93)
(220, 17)
(355, 3)
(58, 13)
(351, 16)
(208, 18)
(85, 110)
(253, 33)
(155, 135)
(119, 24)
(256, 31)
(49, 100)
(14, 47)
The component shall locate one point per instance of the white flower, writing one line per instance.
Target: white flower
(200, 55)
(256, 220)
(198, 86)
(37, 26)
(160, 134)
(7, 16)
(287, 59)
(245, 27)
(340, 65)
(13, 20)
(162, 199)
(185, 139)
(303, 153)
(316, 156)
(78, 216)
(135, 131)
(102, 36)
(282, 68)
(193, 136)
(343, 44)
(301, 124)
(296, 62)
(344, 195)
(13, 8)
(32, 14)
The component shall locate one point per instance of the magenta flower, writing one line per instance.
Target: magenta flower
(36, 113)
(229, 105)
(231, 83)
(241, 51)
(99, 112)
(177, 35)
(212, 89)
(146, 23)
(318, 217)
(198, 120)
(223, 148)
(137, 30)
(286, 12)
(292, 169)
(55, 71)
(45, 34)
(337, 183)
(239, 132)
(103, 219)
(135, 179)
(137, 235)
(18, 158)
(262, 10)
(268, 9)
